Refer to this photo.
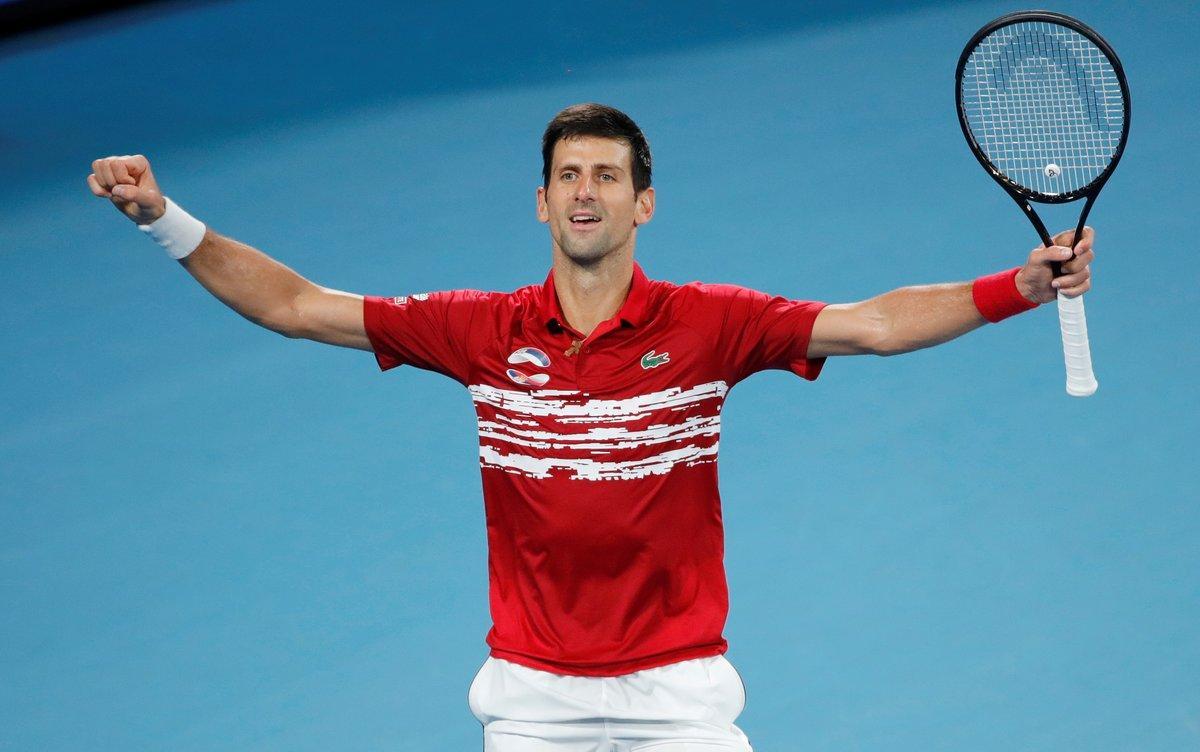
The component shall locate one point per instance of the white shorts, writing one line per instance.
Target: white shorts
(689, 706)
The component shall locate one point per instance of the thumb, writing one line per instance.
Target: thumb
(1065, 238)
(143, 205)
(143, 197)
(126, 192)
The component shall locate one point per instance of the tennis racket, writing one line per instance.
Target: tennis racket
(1043, 103)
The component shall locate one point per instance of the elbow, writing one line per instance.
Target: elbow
(279, 327)
(888, 346)
(865, 328)
(891, 343)
(879, 337)
(290, 329)
(288, 318)
(282, 323)
(886, 333)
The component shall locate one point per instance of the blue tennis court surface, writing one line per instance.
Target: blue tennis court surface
(215, 538)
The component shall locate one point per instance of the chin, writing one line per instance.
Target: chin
(586, 256)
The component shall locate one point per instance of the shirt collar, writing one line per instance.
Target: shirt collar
(632, 313)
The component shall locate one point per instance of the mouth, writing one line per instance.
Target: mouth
(584, 221)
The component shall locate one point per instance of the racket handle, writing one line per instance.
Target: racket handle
(1081, 382)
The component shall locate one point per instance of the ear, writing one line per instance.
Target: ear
(644, 211)
(543, 211)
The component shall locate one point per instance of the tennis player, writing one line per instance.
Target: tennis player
(598, 395)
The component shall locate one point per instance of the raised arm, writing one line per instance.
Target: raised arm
(912, 318)
(247, 280)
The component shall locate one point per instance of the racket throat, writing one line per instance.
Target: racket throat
(1083, 215)
(1033, 218)
(1040, 226)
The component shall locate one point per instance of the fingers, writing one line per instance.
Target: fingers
(1083, 258)
(120, 170)
(1047, 255)
(96, 188)
(1076, 276)
(137, 165)
(1067, 238)
(103, 170)
(110, 172)
(130, 185)
(1074, 285)
(1074, 258)
(1058, 268)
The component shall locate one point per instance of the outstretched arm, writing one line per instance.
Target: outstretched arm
(247, 280)
(912, 318)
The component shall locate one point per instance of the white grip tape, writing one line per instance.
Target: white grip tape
(177, 231)
(1081, 382)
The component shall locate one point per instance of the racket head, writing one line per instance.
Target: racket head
(1043, 103)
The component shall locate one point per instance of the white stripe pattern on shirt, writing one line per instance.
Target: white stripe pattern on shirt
(589, 445)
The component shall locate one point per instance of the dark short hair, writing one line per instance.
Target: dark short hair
(602, 121)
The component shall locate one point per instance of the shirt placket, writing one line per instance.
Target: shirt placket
(581, 346)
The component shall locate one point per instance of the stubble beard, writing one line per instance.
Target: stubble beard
(590, 251)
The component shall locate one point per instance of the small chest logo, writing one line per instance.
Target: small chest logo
(528, 379)
(529, 356)
(654, 360)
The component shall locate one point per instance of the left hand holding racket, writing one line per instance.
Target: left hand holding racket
(1044, 105)
(1037, 280)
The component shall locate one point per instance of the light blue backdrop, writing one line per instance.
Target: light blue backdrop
(214, 538)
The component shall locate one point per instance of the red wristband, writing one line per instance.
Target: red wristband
(997, 297)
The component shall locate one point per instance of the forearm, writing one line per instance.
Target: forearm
(912, 318)
(247, 280)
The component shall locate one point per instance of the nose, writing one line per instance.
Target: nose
(585, 190)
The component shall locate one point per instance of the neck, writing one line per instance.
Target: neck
(592, 294)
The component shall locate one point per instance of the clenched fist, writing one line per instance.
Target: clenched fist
(128, 182)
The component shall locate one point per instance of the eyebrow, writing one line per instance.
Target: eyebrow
(602, 166)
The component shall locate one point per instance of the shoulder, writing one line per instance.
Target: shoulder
(705, 305)
(437, 302)
(505, 310)
(457, 311)
(703, 300)
(494, 300)
(673, 294)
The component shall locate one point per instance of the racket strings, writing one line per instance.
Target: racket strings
(1045, 106)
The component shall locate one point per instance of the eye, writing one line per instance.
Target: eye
(568, 175)
(607, 177)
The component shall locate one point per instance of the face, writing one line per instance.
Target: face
(590, 203)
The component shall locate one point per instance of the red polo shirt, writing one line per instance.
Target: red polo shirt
(599, 460)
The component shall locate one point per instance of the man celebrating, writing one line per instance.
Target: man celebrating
(599, 396)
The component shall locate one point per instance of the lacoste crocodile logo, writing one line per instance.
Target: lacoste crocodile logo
(651, 360)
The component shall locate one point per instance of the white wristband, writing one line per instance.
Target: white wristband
(176, 230)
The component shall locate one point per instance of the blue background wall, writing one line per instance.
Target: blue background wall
(215, 538)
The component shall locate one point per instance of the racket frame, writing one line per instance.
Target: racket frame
(1019, 192)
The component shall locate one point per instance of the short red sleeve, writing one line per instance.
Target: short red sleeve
(755, 331)
(436, 331)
